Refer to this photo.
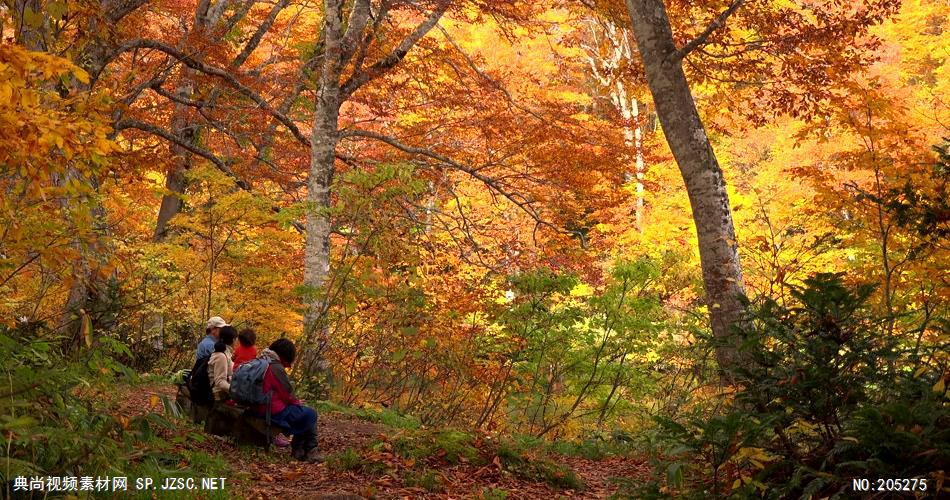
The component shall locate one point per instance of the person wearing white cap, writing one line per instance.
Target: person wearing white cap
(212, 330)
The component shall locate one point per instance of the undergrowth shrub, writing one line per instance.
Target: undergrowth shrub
(350, 460)
(450, 446)
(427, 479)
(592, 445)
(438, 447)
(830, 394)
(54, 425)
(383, 416)
(538, 469)
(493, 494)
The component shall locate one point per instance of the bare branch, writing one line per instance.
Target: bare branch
(238, 15)
(522, 202)
(255, 40)
(122, 8)
(126, 123)
(379, 68)
(157, 80)
(220, 164)
(193, 63)
(717, 23)
(158, 89)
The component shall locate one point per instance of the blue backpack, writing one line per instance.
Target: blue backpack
(247, 382)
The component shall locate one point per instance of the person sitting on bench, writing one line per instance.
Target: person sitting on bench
(212, 333)
(220, 364)
(287, 411)
(245, 350)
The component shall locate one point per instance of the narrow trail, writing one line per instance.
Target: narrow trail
(273, 475)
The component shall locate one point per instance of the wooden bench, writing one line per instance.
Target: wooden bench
(233, 421)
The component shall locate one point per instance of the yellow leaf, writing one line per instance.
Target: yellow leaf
(81, 75)
(940, 386)
(154, 401)
(6, 92)
(85, 327)
(582, 290)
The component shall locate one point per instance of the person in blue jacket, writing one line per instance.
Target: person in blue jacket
(212, 332)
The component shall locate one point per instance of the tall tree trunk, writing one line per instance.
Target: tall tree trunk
(629, 109)
(605, 68)
(207, 17)
(342, 41)
(175, 180)
(32, 33)
(639, 166)
(323, 142)
(719, 257)
(317, 250)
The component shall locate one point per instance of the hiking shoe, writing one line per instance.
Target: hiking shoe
(280, 441)
(313, 456)
(299, 454)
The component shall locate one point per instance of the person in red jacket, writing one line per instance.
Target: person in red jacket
(286, 410)
(245, 350)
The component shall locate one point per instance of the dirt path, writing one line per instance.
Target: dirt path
(275, 475)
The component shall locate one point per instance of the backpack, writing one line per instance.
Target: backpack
(199, 383)
(247, 382)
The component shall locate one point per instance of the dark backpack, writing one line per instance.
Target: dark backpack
(247, 382)
(199, 383)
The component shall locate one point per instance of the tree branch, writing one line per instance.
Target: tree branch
(126, 123)
(717, 23)
(522, 202)
(122, 8)
(238, 15)
(255, 40)
(379, 68)
(193, 63)
(488, 79)
(359, 17)
(221, 165)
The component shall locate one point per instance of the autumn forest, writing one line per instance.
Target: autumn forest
(523, 248)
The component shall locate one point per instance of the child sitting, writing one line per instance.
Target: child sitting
(246, 350)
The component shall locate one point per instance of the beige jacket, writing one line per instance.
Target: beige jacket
(219, 371)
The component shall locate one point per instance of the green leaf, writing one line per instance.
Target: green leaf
(32, 18)
(17, 423)
(56, 9)
(674, 474)
(17, 467)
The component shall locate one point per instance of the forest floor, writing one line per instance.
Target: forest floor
(365, 465)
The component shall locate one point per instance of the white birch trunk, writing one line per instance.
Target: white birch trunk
(639, 167)
(603, 68)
